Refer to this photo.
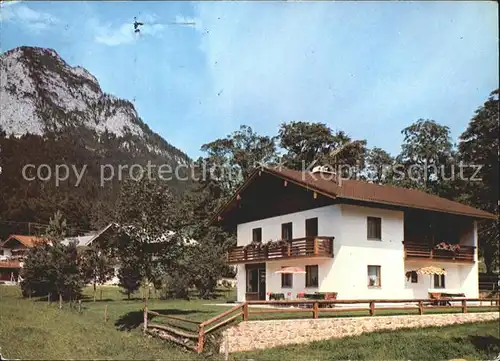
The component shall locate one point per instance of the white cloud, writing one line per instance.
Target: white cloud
(4, 4)
(33, 20)
(124, 34)
(188, 21)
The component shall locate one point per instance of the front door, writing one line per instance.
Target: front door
(262, 284)
(255, 282)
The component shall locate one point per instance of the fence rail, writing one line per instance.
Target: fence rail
(489, 282)
(313, 307)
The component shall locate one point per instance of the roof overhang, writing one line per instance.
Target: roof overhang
(226, 207)
(219, 214)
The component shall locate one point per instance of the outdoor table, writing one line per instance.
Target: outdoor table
(438, 295)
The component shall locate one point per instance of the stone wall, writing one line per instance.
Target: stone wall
(252, 335)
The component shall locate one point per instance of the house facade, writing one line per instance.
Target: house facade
(359, 240)
(12, 253)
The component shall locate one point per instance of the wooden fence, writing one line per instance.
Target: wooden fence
(196, 340)
(489, 282)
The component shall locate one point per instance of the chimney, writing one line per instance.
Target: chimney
(325, 173)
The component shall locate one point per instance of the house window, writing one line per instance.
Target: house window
(286, 231)
(374, 228)
(257, 235)
(374, 276)
(286, 280)
(312, 276)
(439, 281)
(412, 276)
(311, 227)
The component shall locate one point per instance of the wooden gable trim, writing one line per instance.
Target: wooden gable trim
(301, 184)
(16, 239)
(403, 208)
(258, 172)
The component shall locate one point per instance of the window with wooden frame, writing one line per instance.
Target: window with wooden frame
(286, 279)
(311, 227)
(287, 231)
(439, 281)
(257, 235)
(374, 278)
(312, 274)
(374, 228)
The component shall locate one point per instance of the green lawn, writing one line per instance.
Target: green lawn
(479, 341)
(33, 329)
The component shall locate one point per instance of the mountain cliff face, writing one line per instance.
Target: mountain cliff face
(40, 93)
(52, 113)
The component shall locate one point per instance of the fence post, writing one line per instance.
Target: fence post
(79, 306)
(226, 346)
(464, 306)
(201, 338)
(315, 310)
(145, 326)
(106, 313)
(372, 308)
(245, 311)
(420, 308)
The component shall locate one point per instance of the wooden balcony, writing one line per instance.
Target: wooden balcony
(308, 247)
(423, 251)
(10, 264)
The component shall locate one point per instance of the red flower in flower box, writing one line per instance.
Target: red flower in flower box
(289, 293)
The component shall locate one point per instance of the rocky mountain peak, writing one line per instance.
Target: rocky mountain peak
(41, 93)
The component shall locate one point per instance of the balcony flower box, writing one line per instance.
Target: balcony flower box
(447, 247)
(277, 244)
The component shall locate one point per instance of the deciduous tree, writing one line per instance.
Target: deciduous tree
(96, 267)
(426, 154)
(478, 147)
(313, 144)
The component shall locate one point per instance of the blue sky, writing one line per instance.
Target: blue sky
(368, 68)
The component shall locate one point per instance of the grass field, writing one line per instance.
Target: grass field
(478, 341)
(36, 330)
(33, 329)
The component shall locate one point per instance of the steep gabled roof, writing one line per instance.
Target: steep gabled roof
(27, 241)
(360, 191)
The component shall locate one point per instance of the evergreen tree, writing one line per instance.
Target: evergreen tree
(35, 277)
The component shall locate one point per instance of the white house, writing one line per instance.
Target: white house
(358, 239)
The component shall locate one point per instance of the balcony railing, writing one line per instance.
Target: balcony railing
(10, 263)
(295, 248)
(415, 250)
